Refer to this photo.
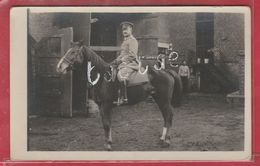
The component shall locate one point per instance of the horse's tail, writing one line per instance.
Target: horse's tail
(177, 92)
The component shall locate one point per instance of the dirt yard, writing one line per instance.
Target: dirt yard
(201, 124)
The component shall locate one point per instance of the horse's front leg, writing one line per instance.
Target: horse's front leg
(105, 111)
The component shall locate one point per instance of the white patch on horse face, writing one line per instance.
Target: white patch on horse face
(62, 65)
(164, 133)
(58, 68)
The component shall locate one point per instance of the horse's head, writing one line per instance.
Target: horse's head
(72, 56)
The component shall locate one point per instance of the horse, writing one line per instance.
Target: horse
(167, 88)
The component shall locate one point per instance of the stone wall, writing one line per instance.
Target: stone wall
(180, 30)
(41, 25)
(229, 41)
(48, 24)
(176, 28)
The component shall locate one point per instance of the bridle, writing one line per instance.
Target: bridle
(67, 58)
(68, 61)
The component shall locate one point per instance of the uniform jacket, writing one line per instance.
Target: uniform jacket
(128, 54)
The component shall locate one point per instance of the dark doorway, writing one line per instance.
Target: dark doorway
(205, 35)
(104, 33)
(204, 42)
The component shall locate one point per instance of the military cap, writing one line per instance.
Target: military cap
(126, 24)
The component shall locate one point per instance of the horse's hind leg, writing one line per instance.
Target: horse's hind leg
(105, 112)
(167, 112)
(163, 101)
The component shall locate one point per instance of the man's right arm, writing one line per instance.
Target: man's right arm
(117, 61)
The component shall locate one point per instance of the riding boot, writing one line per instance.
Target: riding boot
(124, 90)
(122, 95)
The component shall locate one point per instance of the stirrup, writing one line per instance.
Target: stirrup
(121, 102)
(125, 101)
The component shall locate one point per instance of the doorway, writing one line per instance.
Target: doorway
(204, 42)
(205, 36)
(104, 34)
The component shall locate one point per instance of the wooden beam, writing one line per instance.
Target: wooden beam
(105, 48)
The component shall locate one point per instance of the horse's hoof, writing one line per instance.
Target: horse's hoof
(165, 143)
(161, 141)
(108, 147)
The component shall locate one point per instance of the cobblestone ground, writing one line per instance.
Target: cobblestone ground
(200, 124)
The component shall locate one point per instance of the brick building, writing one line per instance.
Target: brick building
(218, 37)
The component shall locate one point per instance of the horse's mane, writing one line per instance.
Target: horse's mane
(95, 59)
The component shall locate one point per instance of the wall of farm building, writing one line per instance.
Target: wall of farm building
(41, 25)
(228, 41)
(145, 26)
(176, 28)
(49, 24)
(146, 32)
(180, 30)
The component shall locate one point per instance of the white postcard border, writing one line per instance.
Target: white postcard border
(18, 91)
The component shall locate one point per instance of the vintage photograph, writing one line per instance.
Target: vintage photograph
(147, 80)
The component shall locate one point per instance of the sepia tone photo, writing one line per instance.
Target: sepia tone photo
(145, 80)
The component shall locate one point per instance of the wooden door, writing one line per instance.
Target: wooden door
(53, 90)
(81, 31)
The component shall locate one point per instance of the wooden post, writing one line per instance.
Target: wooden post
(81, 31)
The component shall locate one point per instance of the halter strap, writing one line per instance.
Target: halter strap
(68, 61)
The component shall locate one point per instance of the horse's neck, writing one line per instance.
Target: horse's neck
(96, 60)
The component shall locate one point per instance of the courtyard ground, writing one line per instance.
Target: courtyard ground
(202, 123)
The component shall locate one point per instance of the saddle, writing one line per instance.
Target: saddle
(135, 78)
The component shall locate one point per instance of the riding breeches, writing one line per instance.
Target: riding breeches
(124, 73)
(125, 70)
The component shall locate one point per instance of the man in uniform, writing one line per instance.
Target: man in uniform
(184, 73)
(126, 62)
